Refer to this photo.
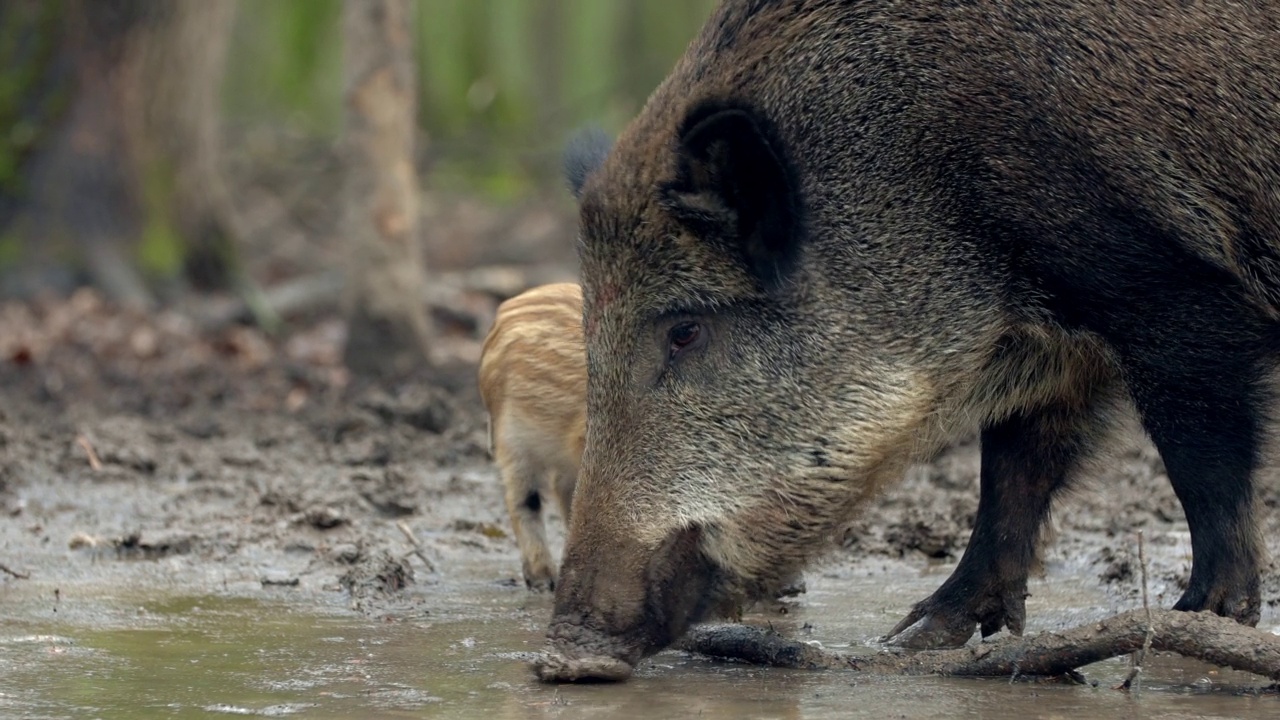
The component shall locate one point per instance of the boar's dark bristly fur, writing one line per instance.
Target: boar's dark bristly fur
(840, 233)
(733, 184)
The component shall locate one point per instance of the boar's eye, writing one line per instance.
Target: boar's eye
(682, 336)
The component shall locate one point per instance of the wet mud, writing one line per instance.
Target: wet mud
(207, 523)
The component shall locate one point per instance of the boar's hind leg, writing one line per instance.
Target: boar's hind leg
(1026, 459)
(1199, 388)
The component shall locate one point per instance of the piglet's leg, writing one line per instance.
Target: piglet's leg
(522, 479)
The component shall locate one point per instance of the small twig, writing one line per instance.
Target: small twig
(1131, 681)
(10, 571)
(417, 546)
(94, 462)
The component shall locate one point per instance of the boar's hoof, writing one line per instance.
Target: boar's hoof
(1241, 600)
(930, 632)
(552, 666)
(939, 622)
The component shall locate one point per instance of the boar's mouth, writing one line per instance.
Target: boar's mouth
(681, 586)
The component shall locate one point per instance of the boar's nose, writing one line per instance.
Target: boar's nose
(620, 601)
(578, 654)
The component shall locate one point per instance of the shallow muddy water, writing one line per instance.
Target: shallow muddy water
(229, 563)
(460, 651)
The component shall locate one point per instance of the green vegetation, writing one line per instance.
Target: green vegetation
(161, 248)
(285, 65)
(502, 84)
(28, 41)
(502, 81)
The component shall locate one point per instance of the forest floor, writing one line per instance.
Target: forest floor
(152, 452)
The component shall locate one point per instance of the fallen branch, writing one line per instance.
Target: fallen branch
(1203, 636)
(10, 571)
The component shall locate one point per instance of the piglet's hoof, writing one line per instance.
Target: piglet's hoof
(539, 579)
(541, 584)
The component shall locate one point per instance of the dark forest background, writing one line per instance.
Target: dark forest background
(166, 152)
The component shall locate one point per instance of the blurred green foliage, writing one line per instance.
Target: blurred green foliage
(160, 252)
(28, 95)
(502, 84)
(285, 65)
(502, 81)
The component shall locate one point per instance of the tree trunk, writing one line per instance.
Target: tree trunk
(386, 320)
(128, 178)
(182, 64)
(83, 186)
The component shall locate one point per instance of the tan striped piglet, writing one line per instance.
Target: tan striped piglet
(533, 380)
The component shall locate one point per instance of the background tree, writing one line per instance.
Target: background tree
(152, 147)
(181, 63)
(386, 318)
(118, 104)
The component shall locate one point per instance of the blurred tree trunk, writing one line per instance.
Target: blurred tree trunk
(182, 62)
(84, 186)
(386, 320)
(127, 183)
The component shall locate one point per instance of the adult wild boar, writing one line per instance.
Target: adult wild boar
(842, 231)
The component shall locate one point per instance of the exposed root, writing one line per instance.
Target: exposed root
(1203, 636)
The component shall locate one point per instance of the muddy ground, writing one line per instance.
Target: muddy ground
(151, 452)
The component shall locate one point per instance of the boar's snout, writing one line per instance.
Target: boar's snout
(620, 601)
(578, 653)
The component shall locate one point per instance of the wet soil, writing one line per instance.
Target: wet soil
(172, 499)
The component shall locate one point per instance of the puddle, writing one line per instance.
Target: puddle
(204, 581)
(214, 656)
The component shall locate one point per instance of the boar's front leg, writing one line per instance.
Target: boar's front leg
(1026, 459)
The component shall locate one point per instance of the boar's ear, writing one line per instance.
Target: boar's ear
(733, 181)
(584, 153)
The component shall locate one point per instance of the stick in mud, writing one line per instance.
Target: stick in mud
(94, 463)
(1203, 636)
(417, 546)
(1131, 681)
